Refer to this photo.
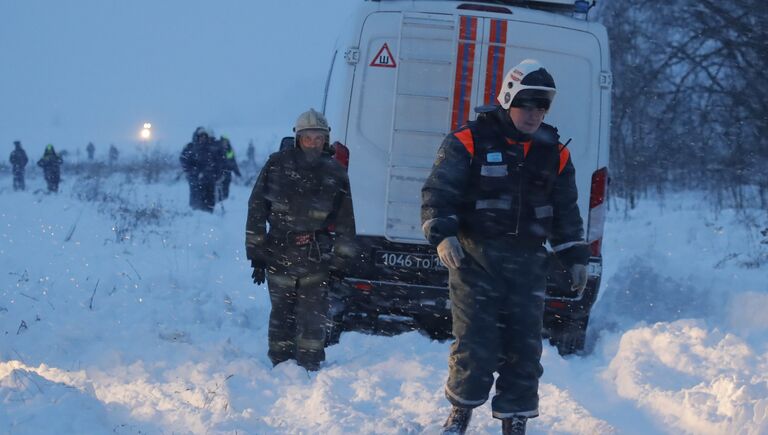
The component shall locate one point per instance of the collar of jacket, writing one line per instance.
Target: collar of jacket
(508, 127)
(301, 161)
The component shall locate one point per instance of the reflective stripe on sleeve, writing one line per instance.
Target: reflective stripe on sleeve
(429, 223)
(564, 246)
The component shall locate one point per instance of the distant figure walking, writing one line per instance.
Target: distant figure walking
(18, 161)
(90, 149)
(203, 163)
(251, 153)
(51, 164)
(300, 193)
(113, 154)
(230, 166)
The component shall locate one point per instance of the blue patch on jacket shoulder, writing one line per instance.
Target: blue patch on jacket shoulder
(494, 158)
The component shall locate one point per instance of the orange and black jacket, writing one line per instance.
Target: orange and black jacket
(491, 181)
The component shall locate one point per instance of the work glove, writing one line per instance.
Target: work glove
(578, 277)
(253, 246)
(450, 252)
(259, 275)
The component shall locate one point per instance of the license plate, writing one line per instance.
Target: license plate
(408, 260)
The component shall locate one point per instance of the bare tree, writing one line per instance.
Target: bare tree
(690, 102)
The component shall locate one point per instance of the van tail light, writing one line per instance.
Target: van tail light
(363, 286)
(558, 305)
(341, 153)
(597, 210)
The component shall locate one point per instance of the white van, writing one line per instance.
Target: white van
(406, 73)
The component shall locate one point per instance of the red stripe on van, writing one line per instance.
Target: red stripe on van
(489, 65)
(500, 56)
(494, 69)
(465, 60)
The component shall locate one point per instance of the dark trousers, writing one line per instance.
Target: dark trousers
(52, 180)
(18, 180)
(207, 195)
(497, 305)
(201, 194)
(225, 182)
(298, 290)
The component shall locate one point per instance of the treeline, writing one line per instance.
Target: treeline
(690, 97)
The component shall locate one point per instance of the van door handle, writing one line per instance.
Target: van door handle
(352, 55)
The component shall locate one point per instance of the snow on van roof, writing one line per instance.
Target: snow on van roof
(546, 5)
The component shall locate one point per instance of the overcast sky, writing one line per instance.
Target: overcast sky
(96, 70)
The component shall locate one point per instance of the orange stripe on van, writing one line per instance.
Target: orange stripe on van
(564, 156)
(494, 69)
(465, 61)
(465, 137)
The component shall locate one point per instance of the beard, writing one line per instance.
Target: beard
(312, 154)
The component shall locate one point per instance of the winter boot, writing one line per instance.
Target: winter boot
(457, 421)
(513, 425)
(310, 366)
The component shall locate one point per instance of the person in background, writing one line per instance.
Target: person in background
(113, 154)
(189, 165)
(501, 187)
(301, 193)
(203, 163)
(90, 149)
(251, 153)
(51, 164)
(18, 160)
(230, 166)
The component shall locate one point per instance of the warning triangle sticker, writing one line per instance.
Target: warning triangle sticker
(384, 58)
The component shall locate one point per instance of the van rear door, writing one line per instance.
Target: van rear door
(422, 112)
(574, 58)
(442, 66)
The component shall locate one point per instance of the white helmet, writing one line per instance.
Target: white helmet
(311, 120)
(528, 80)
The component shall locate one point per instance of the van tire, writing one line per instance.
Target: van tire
(333, 330)
(436, 327)
(336, 321)
(569, 337)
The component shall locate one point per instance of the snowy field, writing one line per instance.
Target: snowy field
(123, 312)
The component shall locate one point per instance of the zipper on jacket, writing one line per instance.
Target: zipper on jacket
(519, 170)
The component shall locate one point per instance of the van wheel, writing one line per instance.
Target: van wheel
(436, 327)
(570, 337)
(336, 321)
(333, 330)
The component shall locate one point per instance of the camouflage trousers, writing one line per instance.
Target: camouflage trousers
(298, 291)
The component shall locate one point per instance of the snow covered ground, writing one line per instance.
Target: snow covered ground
(123, 312)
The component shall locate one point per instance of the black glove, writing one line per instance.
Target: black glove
(259, 275)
